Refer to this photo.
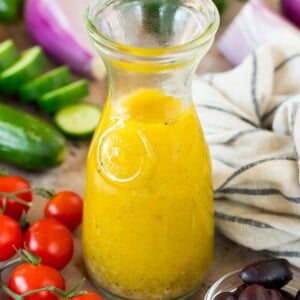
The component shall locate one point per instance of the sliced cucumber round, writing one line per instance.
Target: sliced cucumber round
(61, 97)
(34, 89)
(9, 54)
(78, 120)
(30, 65)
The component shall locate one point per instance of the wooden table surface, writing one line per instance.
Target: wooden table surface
(70, 175)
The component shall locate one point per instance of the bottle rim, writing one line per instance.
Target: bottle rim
(168, 52)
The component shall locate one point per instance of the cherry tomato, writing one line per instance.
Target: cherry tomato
(50, 240)
(65, 207)
(27, 277)
(11, 184)
(10, 237)
(88, 296)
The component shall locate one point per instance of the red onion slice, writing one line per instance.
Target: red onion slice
(58, 27)
(254, 25)
(291, 9)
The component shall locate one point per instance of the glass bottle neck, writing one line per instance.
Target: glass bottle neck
(173, 79)
(151, 44)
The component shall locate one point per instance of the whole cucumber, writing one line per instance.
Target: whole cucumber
(29, 142)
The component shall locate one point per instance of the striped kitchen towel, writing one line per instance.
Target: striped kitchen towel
(251, 119)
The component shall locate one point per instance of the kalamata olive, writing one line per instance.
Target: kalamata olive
(298, 296)
(258, 292)
(274, 295)
(240, 288)
(226, 296)
(271, 273)
(286, 295)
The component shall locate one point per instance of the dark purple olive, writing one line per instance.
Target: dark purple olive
(298, 296)
(226, 296)
(258, 292)
(286, 295)
(274, 294)
(271, 273)
(240, 288)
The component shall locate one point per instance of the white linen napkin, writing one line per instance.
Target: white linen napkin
(251, 120)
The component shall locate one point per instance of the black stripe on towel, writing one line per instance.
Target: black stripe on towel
(227, 112)
(254, 87)
(240, 220)
(252, 165)
(226, 163)
(238, 135)
(293, 121)
(294, 114)
(282, 64)
(258, 192)
(273, 109)
(283, 253)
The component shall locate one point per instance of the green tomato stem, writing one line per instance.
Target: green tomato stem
(10, 263)
(60, 293)
(44, 192)
(3, 172)
(14, 197)
(9, 292)
(74, 291)
(28, 257)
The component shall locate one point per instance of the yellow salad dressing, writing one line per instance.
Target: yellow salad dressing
(148, 215)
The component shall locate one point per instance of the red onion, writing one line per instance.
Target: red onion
(291, 9)
(256, 24)
(58, 27)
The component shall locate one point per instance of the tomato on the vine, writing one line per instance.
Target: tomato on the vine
(65, 207)
(88, 296)
(10, 237)
(27, 277)
(13, 184)
(51, 240)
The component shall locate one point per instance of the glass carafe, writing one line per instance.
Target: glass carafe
(148, 227)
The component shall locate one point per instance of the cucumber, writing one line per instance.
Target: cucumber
(221, 5)
(64, 96)
(10, 10)
(8, 54)
(45, 83)
(30, 65)
(29, 142)
(78, 120)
